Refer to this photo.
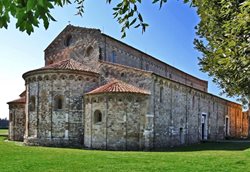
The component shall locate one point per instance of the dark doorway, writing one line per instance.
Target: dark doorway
(203, 127)
(227, 127)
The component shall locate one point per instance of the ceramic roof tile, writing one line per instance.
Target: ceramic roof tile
(23, 93)
(18, 101)
(69, 64)
(117, 86)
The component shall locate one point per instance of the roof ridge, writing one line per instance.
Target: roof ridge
(19, 100)
(118, 86)
(67, 64)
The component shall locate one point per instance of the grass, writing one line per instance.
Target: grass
(3, 131)
(204, 157)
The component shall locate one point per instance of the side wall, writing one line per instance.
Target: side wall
(138, 78)
(117, 52)
(16, 121)
(183, 115)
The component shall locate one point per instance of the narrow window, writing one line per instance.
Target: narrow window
(113, 57)
(227, 126)
(100, 53)
(89, 51)
(161, 94)
(32, 103)
(58, 103)
(97, 116)
(50, 62)
(193, 102)
(68, 40)
(170, 75)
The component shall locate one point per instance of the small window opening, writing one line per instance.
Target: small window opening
(106, 74)
(50, 62)
(193, 102)
(161, 94)
(97, 116)
(68, 40)
(58, 103)
(100, 53)
(32, 103)
(89, 51)
(113, 57)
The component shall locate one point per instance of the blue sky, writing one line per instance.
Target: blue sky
(168, 38)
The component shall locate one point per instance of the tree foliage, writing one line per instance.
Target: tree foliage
(225, 26)
(223, 32)
(29, 13)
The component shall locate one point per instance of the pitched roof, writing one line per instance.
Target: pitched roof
(117, 86)
(69, 64)
(21, 100)
(23, 94)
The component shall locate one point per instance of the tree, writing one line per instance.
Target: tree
(223, 33)
(225, 26)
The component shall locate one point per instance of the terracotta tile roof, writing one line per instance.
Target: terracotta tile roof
(69, 64)
(117, 86)
(23, 94)
(21, 100)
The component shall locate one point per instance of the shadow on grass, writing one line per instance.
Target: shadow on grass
(211, 146)
(207, 146)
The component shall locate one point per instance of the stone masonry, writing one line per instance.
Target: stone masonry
(97, 92)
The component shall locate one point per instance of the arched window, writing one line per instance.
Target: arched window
(68, 40)
(97, 116)
(50, 62)
(89, 51)
(32, 103)
(161, 94)
(58, 103)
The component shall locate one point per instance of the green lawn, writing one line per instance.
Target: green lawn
(3, 131)
(204, 157)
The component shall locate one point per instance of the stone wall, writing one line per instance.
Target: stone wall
(80, 44)
(178, 110)
(178, 116)
(122, 124)
(184, 115)
(133, 76)
(88, 45)
(49, 124)
(118, 52)
(16, 121)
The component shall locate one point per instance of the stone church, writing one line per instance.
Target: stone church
(99, 93)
